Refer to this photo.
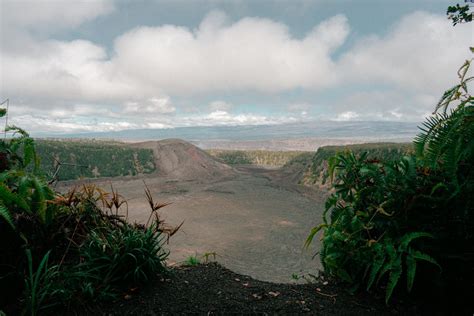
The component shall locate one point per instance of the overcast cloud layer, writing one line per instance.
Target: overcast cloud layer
(152, 74)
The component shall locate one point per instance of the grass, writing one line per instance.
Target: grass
(192, 261)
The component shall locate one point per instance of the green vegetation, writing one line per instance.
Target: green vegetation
(255, 157)
(192, 261)
(459, 14)
(319, 173)
(64, 249)
(407, 218)
(92, 159)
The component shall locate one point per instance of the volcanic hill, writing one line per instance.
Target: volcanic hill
(181, 160)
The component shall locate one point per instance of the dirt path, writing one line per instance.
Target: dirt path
(254, 224)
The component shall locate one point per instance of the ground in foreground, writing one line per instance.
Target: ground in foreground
(212, 289)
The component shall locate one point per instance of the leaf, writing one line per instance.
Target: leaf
(425, 257)
(408, 238)
(332, 163)
(393, 280)
(411, 271)
(344, 275)
(382, 211)
(11, 199)
(438, 186)
(313, 232)
(5, 214)
(29, 151)
(376, 266)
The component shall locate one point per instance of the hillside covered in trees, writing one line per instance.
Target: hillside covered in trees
(93, 159)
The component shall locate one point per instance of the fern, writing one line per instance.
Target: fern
(12, 200)
(409, 237)
(395, 273)
(376, 265)
(411, 270)
(5, 214)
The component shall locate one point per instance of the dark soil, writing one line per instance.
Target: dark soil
(212, 289)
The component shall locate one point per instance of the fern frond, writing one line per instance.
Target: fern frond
(5, 214)
(10, 199)
(376, 266)
(408, 238)
(418, 255)
(411, 271)
(395, 273)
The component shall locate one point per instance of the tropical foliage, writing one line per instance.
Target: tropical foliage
(73, 247)
(319, 168)
(410, 216)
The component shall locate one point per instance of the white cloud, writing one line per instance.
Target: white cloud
(220, 106)
(56, 81)
(346, 116)
(387, 105)
(49, 124)
(153, 105)
(76, 71)
(421, 53)
(225, 118)
(250, 54)
(34, 15)
(299, 107)
(70, 121)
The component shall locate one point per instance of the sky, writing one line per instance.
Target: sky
(105, 65)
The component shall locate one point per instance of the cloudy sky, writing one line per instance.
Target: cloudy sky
(73, 66)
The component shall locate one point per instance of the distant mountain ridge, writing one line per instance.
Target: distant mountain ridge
(320, 129)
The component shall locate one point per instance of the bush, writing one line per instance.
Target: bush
(88, 250)
(385, 216)
(123, 256)
(368, 234)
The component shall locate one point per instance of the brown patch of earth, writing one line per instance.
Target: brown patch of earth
(181, 160)
(254, 225)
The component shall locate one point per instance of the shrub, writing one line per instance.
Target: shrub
(367, 235)
(385, 216)
(88, 249)
(127, 255)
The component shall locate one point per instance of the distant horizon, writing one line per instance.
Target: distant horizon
(303, 136)
(232, 126)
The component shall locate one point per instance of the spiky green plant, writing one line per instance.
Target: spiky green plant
(39, 284)
(124, 255)
(192, 261)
